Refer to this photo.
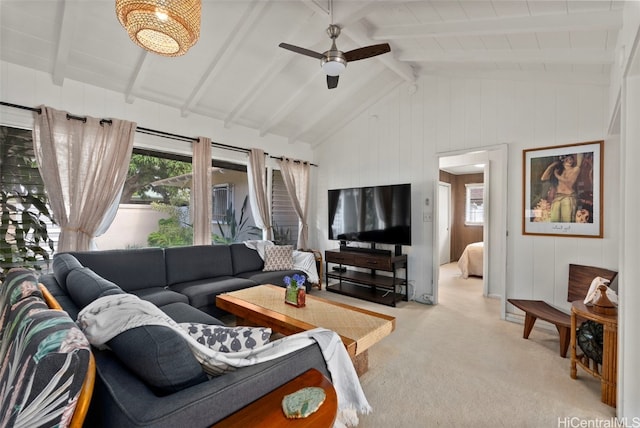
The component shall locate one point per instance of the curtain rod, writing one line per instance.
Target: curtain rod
(147, 131)
(140, 129)
(295, 160)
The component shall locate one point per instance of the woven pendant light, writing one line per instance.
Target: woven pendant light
(166, 27)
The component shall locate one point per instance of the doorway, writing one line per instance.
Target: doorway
(444, 222)
(494, 172)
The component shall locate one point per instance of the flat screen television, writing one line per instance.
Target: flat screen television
(375, 214)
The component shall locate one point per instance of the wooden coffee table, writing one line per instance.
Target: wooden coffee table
(264, 306)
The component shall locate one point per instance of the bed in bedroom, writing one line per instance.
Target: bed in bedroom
(471, 261)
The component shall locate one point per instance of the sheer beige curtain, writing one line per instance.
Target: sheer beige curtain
(296, 179)
(258, 192)
(201, 206)
(83, 164)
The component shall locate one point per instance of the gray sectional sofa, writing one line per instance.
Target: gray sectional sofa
(194, 274)
(149, 377)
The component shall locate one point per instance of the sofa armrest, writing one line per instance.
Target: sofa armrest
(121, 399)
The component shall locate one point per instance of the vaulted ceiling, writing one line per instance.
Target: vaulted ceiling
(236, 73)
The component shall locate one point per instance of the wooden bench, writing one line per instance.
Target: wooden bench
(580, 278)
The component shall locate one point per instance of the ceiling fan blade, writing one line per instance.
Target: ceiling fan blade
(302, 51)
(332, 81)
(367, 52)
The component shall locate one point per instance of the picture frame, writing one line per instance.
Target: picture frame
(562, 190)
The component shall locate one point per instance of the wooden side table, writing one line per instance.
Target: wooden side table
(267, 411)
(607, 373)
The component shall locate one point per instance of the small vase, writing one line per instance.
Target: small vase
(302, 294)
(295, 296)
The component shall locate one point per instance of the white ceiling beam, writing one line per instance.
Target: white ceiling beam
(290, 104)
(589, 78)
(347, 92)
(245, 25)
(611, 20)
(136, 77)
(357, 32)
(376, 95)
(67, 30)
(506, 56)
(349, 17)
(279, 62)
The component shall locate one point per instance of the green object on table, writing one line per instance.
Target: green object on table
(303, 402)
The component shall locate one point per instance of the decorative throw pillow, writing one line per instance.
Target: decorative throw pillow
(278, 257)
(159, 356)
(228, 339)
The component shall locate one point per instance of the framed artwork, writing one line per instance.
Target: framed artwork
(562, 190)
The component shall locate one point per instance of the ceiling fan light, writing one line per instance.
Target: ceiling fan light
(165, 27)
(333, 67)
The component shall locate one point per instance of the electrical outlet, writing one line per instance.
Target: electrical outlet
(427, 217)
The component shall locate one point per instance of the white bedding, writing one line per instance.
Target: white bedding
(471, 261)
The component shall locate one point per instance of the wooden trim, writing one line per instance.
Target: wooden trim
(86, 392)
(48, 297)
(84, 399)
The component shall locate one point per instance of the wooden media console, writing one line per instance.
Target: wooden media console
(367, 284)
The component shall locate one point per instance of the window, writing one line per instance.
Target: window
(474, 204)
(28, 233)
(222, 200)
(283, 216)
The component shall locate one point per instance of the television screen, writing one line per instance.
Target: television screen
(376, 214)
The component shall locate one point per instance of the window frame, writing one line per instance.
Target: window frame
(221, 218)
(468, 213)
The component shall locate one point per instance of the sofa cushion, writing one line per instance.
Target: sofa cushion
(159, 356)
(130, 269)
(160, 296)
(85, 286)
(272, 277)
(202, 293)
(228, 339)
(245, 259)
(197, 262)
(44, 356)
(64, 263)
(278, 257)
(61, 296)
(20, 283)
(183, 312)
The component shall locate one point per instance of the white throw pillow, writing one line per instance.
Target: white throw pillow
(228, 339)
(278, 257)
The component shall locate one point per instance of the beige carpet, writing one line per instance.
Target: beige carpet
(457, 364)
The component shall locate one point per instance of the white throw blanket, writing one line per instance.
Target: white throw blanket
(302, 260)
(108, 316)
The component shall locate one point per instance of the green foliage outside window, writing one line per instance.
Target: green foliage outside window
(144, 170)
(172, 231)
(232, 230)
(24, 211)
(176, 231)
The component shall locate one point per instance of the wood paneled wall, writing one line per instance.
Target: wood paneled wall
(461, 234)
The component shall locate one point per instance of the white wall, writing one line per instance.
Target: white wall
(25, 86)
(399, 138)
(130, 228)
(629, 316)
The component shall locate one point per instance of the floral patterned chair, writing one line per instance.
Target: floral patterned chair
(46, 361)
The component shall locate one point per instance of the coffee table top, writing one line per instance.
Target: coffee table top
(264, 305)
